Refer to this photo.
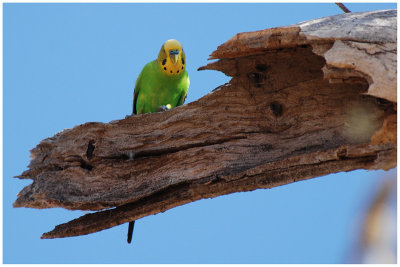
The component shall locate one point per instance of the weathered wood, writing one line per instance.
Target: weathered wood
(304, 101)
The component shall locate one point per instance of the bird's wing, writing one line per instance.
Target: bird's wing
(182, 99)
(184, 93)
(136, 92)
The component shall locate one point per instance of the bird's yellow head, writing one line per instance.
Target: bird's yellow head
(171, 58)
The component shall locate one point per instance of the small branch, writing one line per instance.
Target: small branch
(343, 7)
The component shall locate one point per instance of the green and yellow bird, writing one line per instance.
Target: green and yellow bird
(162, 84)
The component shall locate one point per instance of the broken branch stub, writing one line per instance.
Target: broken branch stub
(304, 101)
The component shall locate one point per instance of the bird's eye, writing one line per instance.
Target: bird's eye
(183, 61)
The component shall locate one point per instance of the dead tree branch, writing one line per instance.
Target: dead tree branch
(343, 7)
(304, 101)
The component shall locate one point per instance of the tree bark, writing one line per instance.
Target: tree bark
(304, 101)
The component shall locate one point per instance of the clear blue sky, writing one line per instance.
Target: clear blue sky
(67, 64)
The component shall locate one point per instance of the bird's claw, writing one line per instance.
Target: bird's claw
(164, 108)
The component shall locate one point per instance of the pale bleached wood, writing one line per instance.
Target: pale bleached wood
(296, 108)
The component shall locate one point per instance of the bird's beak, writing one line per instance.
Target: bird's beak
(174, 55)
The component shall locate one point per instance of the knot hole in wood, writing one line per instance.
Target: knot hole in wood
(276, 108)
(257, 78)
(90, 150)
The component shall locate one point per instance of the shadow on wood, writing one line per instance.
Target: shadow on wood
(304, 101)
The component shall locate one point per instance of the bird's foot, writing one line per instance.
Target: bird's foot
(164, 108)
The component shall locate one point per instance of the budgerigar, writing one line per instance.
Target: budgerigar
(162, 84)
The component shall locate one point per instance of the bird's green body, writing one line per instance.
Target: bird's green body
(163, 82)
(154, 89)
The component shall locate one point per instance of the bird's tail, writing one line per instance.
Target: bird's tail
(130, 231)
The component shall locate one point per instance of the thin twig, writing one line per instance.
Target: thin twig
(343, 7)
